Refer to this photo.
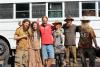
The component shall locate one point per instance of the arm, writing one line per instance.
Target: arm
(94, 38)
(17, 34)
(38, 21)
(16, 37)
(62, 36)
(77, 28)
(95, 42)
(54, 38)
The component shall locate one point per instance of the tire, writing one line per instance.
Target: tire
(4, 51)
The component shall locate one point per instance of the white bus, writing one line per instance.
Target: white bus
(13, 11)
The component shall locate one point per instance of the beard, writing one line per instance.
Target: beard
(44, 24)
(25, 28)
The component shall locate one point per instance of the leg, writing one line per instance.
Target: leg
(91, 57)
(39, 62)
(32, 59)
(44, 54)
(67, 54)
(73, 50)
(61, 60)
(25, 58)
(50, 51)
(83, 59)
(57, 60)
(49, 62)
(18, 58)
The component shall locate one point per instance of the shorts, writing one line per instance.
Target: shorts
(47, 52)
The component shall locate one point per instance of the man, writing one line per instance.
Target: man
(70, 38)
(87, 36)
(22, 40)
(58, 44)
(47, 42)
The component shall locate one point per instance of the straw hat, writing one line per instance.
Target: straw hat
(69, 18)
(85, 19)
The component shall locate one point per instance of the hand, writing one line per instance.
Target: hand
(24, 36)
(97, 47)
(38, 20)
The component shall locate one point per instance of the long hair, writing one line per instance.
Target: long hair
(86, 26)
(26, 20)
(32, 29)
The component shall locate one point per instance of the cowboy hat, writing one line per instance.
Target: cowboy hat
(85, 19)
(69, 18)
(57, 22)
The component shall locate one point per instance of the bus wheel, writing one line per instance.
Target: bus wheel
(4, 52)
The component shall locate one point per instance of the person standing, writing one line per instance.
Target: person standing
(87, 36)
(34, 51)
(47, 42)
(58, 44)
(70, 38)
(22, 44)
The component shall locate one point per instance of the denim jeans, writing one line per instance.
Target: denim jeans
(91, 54)
(47, 52)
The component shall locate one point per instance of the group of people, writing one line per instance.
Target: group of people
(39, 44)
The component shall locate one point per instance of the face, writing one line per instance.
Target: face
(26, 26)
(69, 23)
(34, 26)
(58, 26)
(44, 20)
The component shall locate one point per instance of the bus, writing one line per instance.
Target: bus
(14, 11)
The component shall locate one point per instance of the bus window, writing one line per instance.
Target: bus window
(88, 9)
(6, 11)
(55, 10)
(99, 9)
(72, 9)
(38, 10)
(22, 10)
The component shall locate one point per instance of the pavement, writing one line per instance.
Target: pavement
(79, 63)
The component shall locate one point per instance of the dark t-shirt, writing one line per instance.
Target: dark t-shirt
(70, 35)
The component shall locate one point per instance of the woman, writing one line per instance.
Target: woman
(34, 51)
(87, 37)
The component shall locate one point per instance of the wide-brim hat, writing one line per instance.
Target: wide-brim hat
(69, 18)
(85, 20)
(57, 22)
